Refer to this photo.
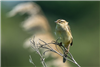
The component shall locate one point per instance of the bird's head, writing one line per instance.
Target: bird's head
(61, 22)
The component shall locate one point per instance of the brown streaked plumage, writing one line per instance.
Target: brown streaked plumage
(63, 31)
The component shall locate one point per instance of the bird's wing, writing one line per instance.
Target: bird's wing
(69, 29)
(71, 34)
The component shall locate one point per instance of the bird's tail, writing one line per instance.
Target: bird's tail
(64, 58)
(65, 55)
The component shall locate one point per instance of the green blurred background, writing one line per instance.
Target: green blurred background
(83, 18)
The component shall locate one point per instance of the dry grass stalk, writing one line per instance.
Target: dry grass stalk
(38, 23)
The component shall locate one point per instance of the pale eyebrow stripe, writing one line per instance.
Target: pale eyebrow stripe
(62, 20)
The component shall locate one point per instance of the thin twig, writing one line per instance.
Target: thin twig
(30, 60)
(35, 46)
(48, 48)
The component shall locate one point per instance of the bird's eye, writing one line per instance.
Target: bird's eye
(60, 21)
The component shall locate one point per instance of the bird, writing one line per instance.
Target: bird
(63, 31)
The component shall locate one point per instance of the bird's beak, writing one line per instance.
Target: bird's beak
(55, 21)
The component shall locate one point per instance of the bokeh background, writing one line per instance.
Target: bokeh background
(83, 18)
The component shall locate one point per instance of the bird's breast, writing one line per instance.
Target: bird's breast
(64, 33)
